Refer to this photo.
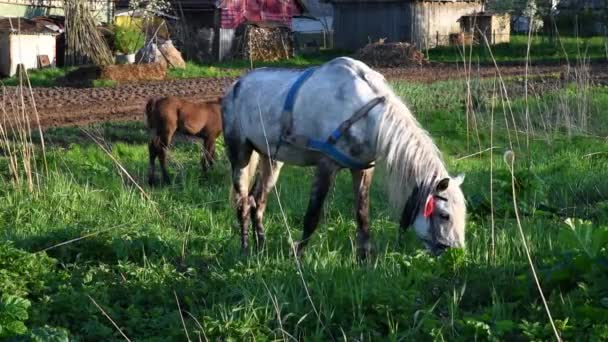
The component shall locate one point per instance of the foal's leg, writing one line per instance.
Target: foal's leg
(208, 154)
(324, 178)
(362, 180)
(165, 142)
(267, 179)
(153, 153)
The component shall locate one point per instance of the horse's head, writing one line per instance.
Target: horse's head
(439, 218)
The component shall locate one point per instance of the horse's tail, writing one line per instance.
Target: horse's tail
(249, 174)
(150, 107)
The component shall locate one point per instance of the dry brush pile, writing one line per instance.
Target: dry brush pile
(386, 55)
(84, 42)
(263, 43)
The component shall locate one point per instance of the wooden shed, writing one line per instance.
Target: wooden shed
(26, 42)
(212, 24)
(496, 27)
(427, 23)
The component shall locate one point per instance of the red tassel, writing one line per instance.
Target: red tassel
(429, 207)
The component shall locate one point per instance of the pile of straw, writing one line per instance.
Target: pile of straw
(84, 43)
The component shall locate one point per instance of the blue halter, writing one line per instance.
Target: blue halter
(326, 147)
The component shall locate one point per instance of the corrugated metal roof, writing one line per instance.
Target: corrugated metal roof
(385, 1)
(212, 4)
(240, 11)
(25, 26)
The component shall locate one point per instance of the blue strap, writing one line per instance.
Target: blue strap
(336, 134)
(335, 154)
(293, 91)
(321, 146)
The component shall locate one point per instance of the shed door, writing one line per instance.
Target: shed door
(5, 61)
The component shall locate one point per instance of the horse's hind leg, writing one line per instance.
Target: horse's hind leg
(267, 179)
(240, 157)
(362, 180)
(325, 175)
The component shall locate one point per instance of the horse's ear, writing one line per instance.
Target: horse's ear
(442, 185)
(459, 179)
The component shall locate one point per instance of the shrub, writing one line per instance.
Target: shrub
(128, 40)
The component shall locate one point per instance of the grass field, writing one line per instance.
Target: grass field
(51, 76)
(149, 261)
(542, 49)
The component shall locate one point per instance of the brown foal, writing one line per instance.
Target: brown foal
(166, 116)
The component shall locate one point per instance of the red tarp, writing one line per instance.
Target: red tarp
(236, 12)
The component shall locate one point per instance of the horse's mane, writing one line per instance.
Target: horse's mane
(412, 159)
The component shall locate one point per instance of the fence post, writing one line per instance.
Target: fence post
(437, 40)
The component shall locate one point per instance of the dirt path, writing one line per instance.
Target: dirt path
(442, 72)
(80, 106)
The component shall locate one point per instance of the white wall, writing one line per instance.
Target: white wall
(25, 48)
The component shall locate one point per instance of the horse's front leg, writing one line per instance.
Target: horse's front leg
(165, 142)
(362, 180)
(324, 178)
(266, 181)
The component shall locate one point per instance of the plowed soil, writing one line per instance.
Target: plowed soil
(62, 106)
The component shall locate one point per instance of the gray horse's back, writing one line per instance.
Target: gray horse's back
(253, 108)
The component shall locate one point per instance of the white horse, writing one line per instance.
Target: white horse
(340, 115)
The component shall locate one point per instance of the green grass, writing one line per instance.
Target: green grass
(47, 77)
(237, 67)
(194, 70)
(50, 77)
(542, 50)
(183, 243)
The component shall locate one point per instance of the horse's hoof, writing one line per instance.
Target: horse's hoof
(363, 255)
(245, 249)
(260, 242)
(298, 249)
(152, 181)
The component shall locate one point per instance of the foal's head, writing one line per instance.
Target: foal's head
(440, 218)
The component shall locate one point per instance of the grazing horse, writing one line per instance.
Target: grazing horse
(168, 115)
(339, 115)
